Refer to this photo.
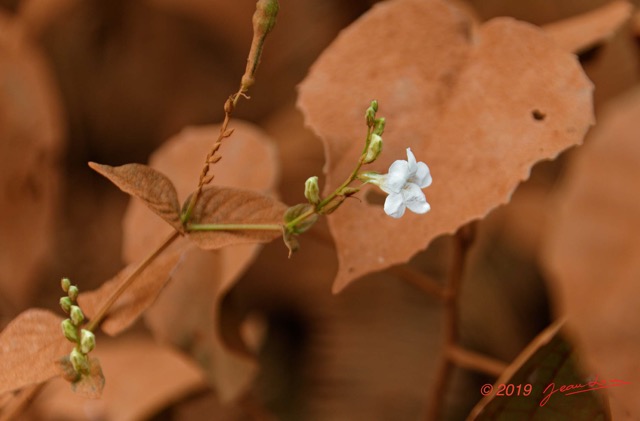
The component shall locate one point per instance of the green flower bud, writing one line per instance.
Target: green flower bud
(87, 341)
(79, 361)
(73, 293)
(374, 105)
(375, 147)
(370, 116)
(65, 303)
(65, 283)
(296, 211)
(69, 330)
(312, 190)
(349, 191)
(379, 126)
(76, 315)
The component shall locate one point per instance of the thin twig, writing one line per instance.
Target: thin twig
(461, 243)
(421, 280)
(97, 319)
(477, 362)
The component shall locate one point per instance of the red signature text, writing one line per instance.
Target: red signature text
(572, 389)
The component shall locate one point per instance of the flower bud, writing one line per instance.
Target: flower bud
(349, 191)
(296, 211)
(76, 315)
(372, 177)
(311, 190)
(370, 114)
(87, 341)
(79, 361)
(375, 147)
(65, 283)
(379, 126)
(69, 330)
(65, 303)
(73, 293)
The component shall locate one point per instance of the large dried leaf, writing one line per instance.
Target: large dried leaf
(219, 205)
(538, 375)
(480, 106)
(138, 296)
(31, 133)
(143, 182)
(593, 251)
(142, 378)
(30, 347)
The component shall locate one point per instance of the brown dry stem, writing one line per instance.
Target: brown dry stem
(462, 242)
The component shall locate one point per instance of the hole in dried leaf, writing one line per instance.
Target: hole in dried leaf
(375, 197)
(538, 115)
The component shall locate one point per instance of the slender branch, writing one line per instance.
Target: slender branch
(461, 243)
(477, 362)
(234, 227)
(97, 319)
(264, 19)
(422, 281)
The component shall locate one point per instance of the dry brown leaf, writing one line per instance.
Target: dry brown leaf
(152, 187)
(548, 359)
(30, 347)
(219, 205)
(143, 377)
(138, 296)
(186, 313)
(579, 33)
(480, 106)
(593, 252)
(181, 159)
(31, 133)
(89, 384)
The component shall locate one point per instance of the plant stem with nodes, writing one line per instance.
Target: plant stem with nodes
(264, 20)
(463, 240)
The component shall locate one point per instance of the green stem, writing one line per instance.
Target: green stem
(353, 176)
(234, 227)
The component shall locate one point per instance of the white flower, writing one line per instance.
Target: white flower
(404, 184)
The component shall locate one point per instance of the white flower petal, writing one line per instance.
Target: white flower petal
(394, 205)
(411, 160)
(422, 176)
(397, 177)
(414, 199)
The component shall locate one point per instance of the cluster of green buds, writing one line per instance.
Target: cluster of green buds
(373, 145)
(301, 217)
(83, 339)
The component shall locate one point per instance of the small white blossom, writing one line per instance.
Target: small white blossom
(404, 184)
